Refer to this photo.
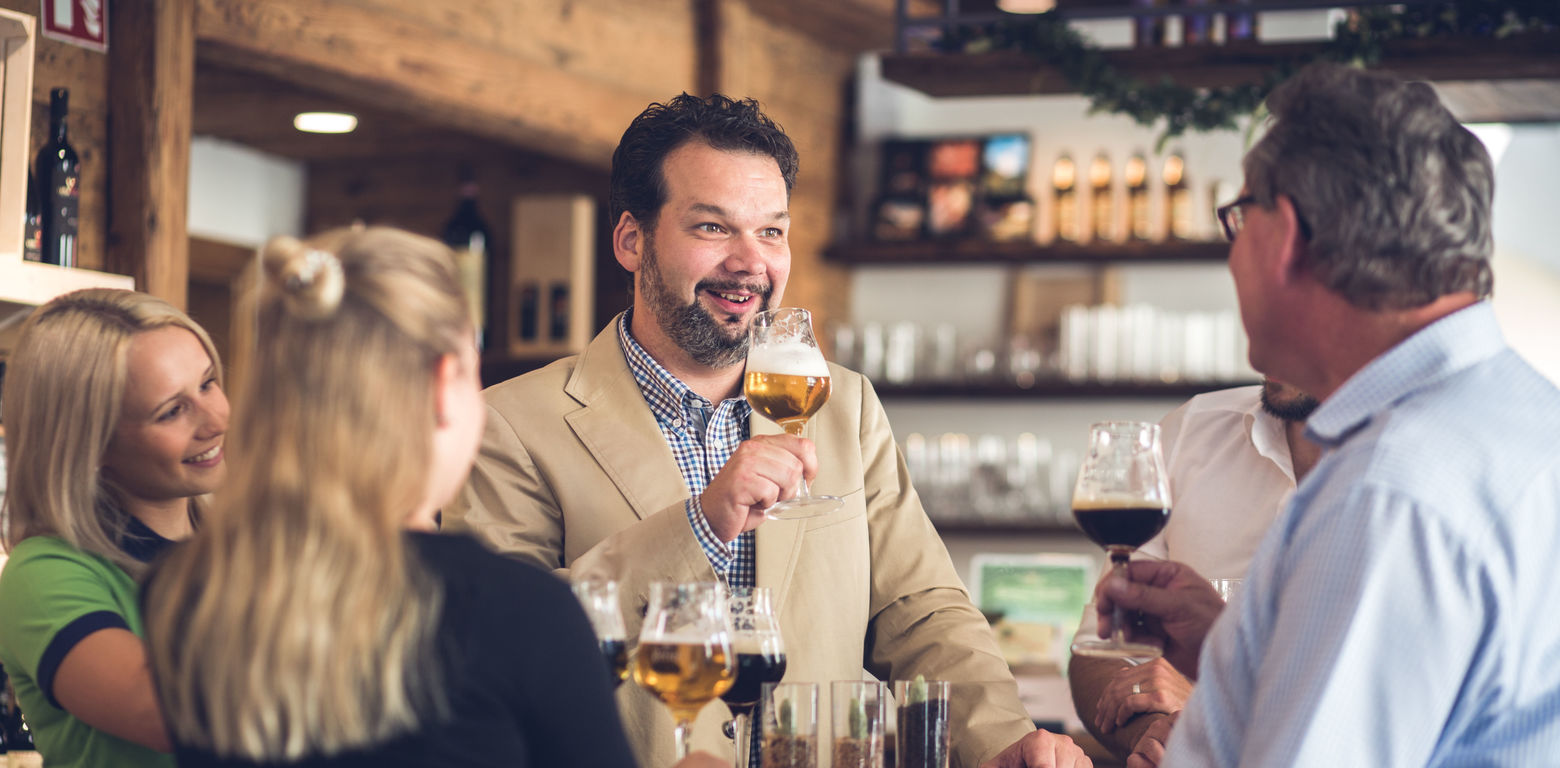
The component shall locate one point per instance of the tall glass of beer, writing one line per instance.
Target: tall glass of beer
(787, 380)
(684, 656)
(1122, 500)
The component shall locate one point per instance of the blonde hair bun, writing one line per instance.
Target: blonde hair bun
(310, 280)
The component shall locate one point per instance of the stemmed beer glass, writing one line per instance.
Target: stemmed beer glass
(1122, 500)
(684, 656)
(787, 381)
(755, 637)
(600, 600)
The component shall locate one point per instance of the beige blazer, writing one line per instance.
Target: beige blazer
(574, 475)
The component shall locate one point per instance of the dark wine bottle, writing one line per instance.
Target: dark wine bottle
(467, 234)
(59, 178)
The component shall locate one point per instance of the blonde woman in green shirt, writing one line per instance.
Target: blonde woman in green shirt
(115, 421)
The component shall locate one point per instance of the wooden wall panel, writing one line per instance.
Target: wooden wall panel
(85, 73)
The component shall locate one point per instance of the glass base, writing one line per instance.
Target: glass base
(1110, 649)
(803, 507)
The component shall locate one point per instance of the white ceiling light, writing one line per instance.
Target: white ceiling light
(1026, 6)
(325, 122)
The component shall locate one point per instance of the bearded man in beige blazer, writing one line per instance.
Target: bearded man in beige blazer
(638, 459)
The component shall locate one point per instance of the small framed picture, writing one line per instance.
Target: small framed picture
(1005, 165)
(899, 219)
(1006, 220)
(904, 168)
(954, 159)
(949, 207)
(1050, 587)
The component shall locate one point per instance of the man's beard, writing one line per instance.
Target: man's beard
(690, 326)
(1297, 406)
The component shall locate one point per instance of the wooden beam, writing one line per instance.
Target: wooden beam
(392, 62)
(151, 86)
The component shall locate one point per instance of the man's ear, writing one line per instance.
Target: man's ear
(628, 242)
(1289, 242)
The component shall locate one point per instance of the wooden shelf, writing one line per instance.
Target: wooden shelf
(1534, 56)
(980, 252)
(1032, 527)
(1052, 389)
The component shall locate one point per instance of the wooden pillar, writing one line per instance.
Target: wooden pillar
(151, 93)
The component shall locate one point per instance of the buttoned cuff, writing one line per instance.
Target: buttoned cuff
(716, 550)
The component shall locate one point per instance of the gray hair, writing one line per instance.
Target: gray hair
(1394, 192)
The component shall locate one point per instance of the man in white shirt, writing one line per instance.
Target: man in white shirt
(1234, 457)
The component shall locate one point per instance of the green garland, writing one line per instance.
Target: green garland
(1357, 41)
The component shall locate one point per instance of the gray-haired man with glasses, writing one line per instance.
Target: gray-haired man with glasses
(1400, 611)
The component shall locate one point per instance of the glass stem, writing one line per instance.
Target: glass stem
(1118, 616)
(744, 734)
(794, 429)
(680, 733)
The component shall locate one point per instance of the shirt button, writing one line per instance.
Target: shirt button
(677, 422)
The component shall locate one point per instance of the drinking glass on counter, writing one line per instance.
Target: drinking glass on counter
(755, 638)
(858, 707)
(684, 657)
(790, 716)
(922, 722)
(1121, 500)
(787, 380)
(600, 600)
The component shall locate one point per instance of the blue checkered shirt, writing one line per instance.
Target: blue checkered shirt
(702, 437)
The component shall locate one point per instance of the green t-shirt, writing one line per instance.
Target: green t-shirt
(49, 587)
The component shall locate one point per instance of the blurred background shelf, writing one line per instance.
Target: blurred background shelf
(1019, 253)
(1507, 78)
(1049, 389)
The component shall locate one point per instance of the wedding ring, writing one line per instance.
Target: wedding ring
(1137, 688)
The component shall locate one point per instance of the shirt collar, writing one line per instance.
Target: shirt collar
(666, 394)
(141, 542)
(1267, 436)
(1446, 346)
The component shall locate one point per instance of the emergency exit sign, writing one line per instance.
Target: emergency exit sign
(78, 22)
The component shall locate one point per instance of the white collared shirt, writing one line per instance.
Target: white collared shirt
(1230, 476)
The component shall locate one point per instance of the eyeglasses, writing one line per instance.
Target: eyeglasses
(1232, 218)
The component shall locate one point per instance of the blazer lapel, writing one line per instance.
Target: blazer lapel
(616, 427)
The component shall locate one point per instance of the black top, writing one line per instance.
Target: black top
(524, 677)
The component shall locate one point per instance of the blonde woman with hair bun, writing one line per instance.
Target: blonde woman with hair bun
(305, 625)
(115, 422)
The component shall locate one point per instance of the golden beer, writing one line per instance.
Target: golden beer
(785, 398)
(684, 676)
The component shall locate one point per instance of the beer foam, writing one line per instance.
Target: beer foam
(791, 358)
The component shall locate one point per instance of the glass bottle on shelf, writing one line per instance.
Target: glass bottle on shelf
(1240, 25)
(1148, 31)
(1102, 219)
(467, 234)
(1178, 198)
(1138, 221)
(59, 196)
(1196, 28)
(1064, 182)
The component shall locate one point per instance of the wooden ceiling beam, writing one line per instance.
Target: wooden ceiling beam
(437, 77)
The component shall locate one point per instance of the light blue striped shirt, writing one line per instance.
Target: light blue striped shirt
(1405, 609)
